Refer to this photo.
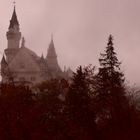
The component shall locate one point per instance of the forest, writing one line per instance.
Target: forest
(96, 104)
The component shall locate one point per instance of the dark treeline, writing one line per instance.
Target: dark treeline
(92, 106)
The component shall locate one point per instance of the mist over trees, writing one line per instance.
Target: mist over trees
(95, 105)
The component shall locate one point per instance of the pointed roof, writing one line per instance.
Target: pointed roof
(42, 56)
(51, 50)
(42, 62)
(3, 61)
(23, 42)
(14, 20)
(42, 59)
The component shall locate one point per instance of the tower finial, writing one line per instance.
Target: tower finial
(51, 36)
(52, 39)
(14, 3)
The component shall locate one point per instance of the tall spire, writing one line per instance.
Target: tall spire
(14, 20)
(52, 62)
(51, 50)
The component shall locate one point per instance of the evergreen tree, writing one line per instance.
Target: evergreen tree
(110, 87)
(78, 103)
(51, 106)
(78, 98)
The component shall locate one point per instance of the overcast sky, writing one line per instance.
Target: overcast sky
(80, 28)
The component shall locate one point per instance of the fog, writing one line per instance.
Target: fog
(80, 29)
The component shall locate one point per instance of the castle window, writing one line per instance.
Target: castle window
(33, 78)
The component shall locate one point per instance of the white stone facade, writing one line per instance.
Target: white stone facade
(20, 64)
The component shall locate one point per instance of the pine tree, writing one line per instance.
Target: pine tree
(78, 98)
(110, 87)
(78, 103)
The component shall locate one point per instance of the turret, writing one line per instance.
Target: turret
(13, 37)
(4, 67)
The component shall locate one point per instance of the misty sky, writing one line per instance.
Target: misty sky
(80, 28)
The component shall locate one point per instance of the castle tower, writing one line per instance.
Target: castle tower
(13, 37)
(51, 56)
(52, 62)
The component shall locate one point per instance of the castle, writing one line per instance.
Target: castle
(21, 64)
